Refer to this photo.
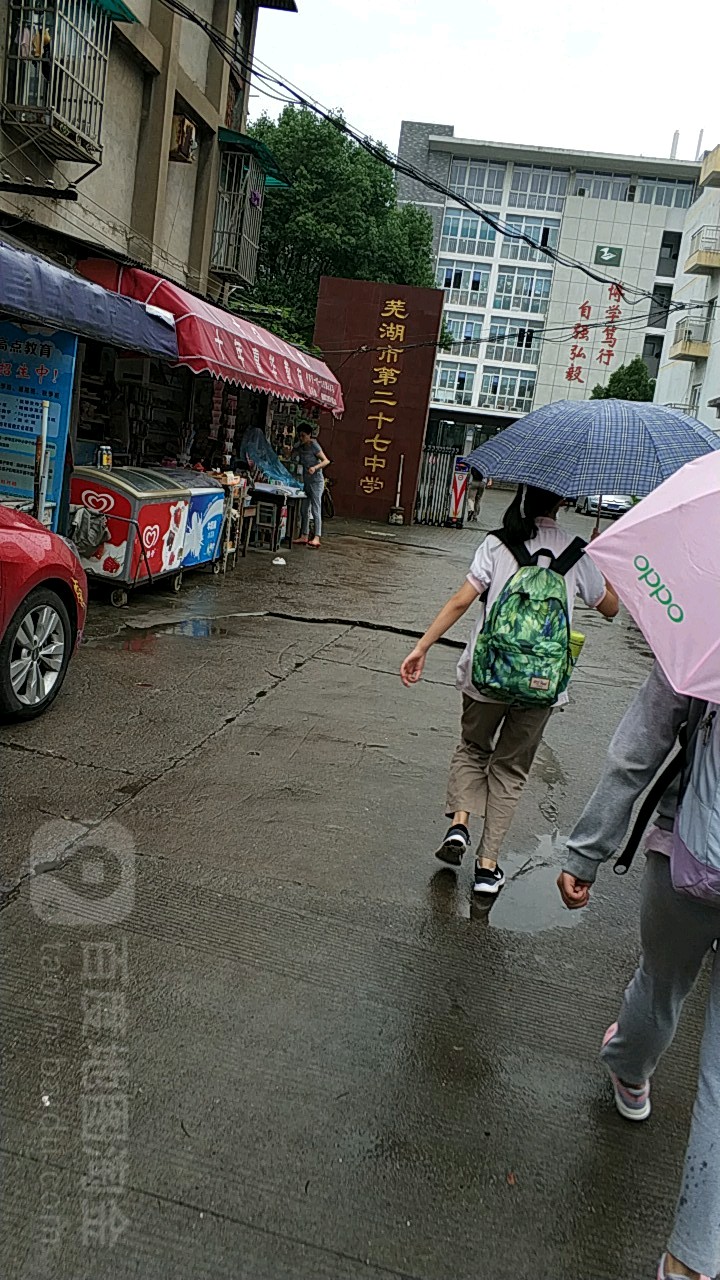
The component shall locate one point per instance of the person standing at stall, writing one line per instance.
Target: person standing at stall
(313, 461)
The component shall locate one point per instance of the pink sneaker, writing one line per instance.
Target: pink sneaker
(633, 1104)
(663, 1274)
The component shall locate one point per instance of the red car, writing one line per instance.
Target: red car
(43, 604)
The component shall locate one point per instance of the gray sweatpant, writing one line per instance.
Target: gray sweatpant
(677, 933)
(312, 505)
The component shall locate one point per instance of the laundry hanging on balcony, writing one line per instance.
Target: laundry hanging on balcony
(212, 340)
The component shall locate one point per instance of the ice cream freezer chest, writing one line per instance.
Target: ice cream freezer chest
(146, 516)
(203, 537)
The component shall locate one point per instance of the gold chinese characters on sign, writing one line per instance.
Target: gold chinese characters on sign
(384, 389)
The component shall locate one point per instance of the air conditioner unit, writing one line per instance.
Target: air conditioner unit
(183, 146)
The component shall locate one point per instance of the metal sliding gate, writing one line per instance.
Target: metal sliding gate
(432, 505)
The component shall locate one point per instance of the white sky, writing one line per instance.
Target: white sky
(619, 75)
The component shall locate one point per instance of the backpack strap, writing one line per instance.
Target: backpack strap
(672, 770)
(517, 549)
(568, 558)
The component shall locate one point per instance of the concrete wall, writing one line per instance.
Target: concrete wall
(414, 148)
(194, 45)
(638, 230)
(113, 184)
(174, 238)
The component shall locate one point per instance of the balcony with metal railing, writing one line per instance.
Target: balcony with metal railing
(466, 297)
(691, 340)
(451, 395)
(704, 256)
(56, 67)
(466, 347)
(508, 402)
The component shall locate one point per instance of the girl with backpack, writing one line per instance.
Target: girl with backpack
(679, 925)
(514, 670)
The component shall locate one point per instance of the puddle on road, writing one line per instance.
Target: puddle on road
(529, 902)
(134, 639)
(199, 628)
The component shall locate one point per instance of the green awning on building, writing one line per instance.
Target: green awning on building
(118, 11)
(274, 176)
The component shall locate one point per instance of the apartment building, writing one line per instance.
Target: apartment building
(690, 366)
(527, 331)
(122, 129)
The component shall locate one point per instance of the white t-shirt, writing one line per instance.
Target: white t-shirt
(494, 565)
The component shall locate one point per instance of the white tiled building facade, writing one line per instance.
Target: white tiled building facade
(690, 368)
(527, 331)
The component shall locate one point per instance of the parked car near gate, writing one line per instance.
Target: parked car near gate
(43, 605)
(613, 504)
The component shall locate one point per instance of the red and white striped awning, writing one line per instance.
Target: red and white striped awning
(212, 340)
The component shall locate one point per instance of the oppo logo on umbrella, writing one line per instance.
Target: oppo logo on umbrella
(657, 589)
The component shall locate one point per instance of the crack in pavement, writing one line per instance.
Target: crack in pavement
(221, 1216)
(11, 891)
(47, 754)
(362, 624)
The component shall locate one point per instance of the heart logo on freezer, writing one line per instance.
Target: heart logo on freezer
(101, 502)
(151, 536)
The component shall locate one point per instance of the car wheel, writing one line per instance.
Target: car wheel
(34, 655)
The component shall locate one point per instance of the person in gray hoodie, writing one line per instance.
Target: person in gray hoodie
(677, 933)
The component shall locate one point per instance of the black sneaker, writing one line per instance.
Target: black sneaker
(488, 880)
(454, 846)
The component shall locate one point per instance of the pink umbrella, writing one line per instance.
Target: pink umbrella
(663, 558)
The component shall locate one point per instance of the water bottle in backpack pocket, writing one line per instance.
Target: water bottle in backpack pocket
(524, 655)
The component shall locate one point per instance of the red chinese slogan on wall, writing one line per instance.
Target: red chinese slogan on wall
(381, 341)
(580, 343)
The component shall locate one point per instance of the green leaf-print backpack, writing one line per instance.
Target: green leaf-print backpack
(523, 655)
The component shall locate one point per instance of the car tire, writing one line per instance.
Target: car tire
(31, 616)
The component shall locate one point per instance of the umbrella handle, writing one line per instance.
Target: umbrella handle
(597, 522)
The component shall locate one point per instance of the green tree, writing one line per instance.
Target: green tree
(339, 217)
(630, 382)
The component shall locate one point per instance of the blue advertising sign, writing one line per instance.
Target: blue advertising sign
(35, 365)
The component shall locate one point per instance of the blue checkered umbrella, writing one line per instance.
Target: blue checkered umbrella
(579, 448)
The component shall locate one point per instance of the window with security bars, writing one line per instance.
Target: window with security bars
(523, 289)
(478, 180)
(467, 233)
(517, 341)
(533, 187)
(56, 67)
(453, 383)
(238, 217)
(465, 284)
(544, 231)
(509, 389)
(466, 331)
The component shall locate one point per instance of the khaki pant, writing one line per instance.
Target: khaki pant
(490, 766)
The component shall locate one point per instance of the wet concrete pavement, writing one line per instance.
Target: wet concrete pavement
(333, 1066)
